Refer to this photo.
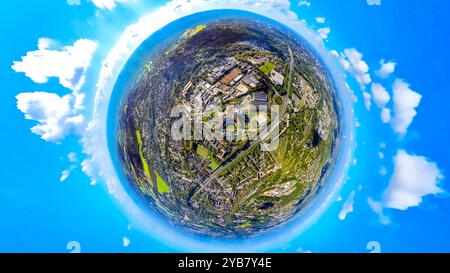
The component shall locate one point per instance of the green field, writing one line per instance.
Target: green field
(141, 155)
(196, 30)
(208, 155)
(161, 184)
(202, 151)
(213, 165)
(246, 224)
(267, 68)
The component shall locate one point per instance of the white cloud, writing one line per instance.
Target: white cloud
(347, 207)
(126, 241)
(55, 115)
(334, 53)
(414, 177)
(72, 157)
(386, 69)
(107, 4)
(374, 2)
(380, 95)
(377, 207)
(320, 20)
(64, 175)
(367, 100)
(380, 155)
(324, 32)
(88, 169)
(68, 63)
(405, 103)
(303, 3)
(385, 115)
(353, 62)
(383, 171)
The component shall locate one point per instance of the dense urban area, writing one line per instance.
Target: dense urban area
(261, 167)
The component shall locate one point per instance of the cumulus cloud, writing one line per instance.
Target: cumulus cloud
(324, 32)
(88, 169)
(380, 95)
(303, 3)
(413, 178)
(68, 63)
(55, 115)
(381, 98)
(386, 69)
(374, 2)
(107, 4)
(367, 100)
(320, 20)
(385, 115)
(353, 62)
(347, 207)
(405, 103)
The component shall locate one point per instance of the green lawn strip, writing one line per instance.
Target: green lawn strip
(141, 155)
(246, 224)
(213, 165)
(198, 29)
(161, 185)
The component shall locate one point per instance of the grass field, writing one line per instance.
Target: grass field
(161, 184)
(213, 165)
(207, 154)
(141, 155)
(202, 151)
(246, 224)
(197, 29)
(267, 68)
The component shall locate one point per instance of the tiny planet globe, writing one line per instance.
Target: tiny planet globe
(227, 125)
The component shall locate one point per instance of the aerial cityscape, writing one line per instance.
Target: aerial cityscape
(224, 126)
(257, 128)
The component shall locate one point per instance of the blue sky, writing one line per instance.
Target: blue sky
(40, 213)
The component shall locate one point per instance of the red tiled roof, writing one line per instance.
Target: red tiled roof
(230, 76)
